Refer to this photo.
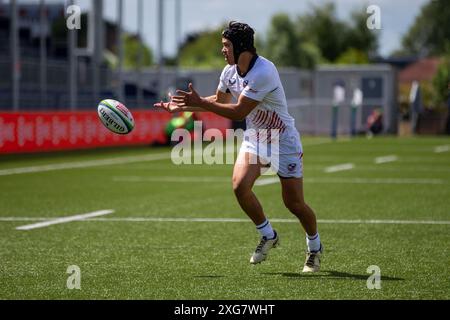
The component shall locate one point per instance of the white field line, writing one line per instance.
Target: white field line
(174, 179)
(327, 141)
(234, 220)
(441, 149)
(274, 180)
(404, 167)
(339, 167)
(267, 181)
(65, 220)
(386, 159)
(84, 164)
(171, 179)
(375, 181)
(111, 161)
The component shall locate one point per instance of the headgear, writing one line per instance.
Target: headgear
(241, 36)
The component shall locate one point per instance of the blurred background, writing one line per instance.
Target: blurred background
(348, 67)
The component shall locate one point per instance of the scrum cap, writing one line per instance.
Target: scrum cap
(241, 36)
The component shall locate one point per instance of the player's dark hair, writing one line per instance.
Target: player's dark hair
(241, 36)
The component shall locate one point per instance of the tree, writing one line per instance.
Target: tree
(430, 33)
(282, 43)
(315, 37)
(131, 52)
(203, 50)
(285, 48)
(359, 37)
(353, 56)
(441, 81)
(322, 28)
(336, 38)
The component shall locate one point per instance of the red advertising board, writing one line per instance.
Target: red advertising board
(48, 131)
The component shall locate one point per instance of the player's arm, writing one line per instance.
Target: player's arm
(219, 97)
(234, 111)
(173, 107)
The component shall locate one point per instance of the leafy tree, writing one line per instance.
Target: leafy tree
(322, 28)
(313, 38)
(430, 33)
(132, 45)
(338, 41)
(441, 82)
(203, 50)
(360, 37)
(353, 56)
(282, 42)
(285, 48)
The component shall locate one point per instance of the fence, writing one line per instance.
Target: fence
(310, 93)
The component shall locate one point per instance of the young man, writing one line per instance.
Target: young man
(255, 83)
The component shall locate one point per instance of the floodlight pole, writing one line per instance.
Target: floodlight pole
(98, 47)
(120, 49)
(15, 55)
(178, 34)
(73, 75)
(160, 64)
(43, 53)
(140, 53)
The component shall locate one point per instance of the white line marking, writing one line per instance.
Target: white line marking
(65, 220)
(374, 181)
(267, 181)
(404, 167)
(84, 164)
(339, 167)
(440, 149)
(21, 219)
(280, 220)
(261, 182)
(326, 141)
(106, 162)
(274, 180)
(235, 220)
(171, 179)
(386, 159)
(385, 222)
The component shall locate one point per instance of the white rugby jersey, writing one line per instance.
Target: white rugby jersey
(261, 83)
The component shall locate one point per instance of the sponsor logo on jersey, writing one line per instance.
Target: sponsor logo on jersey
(245, 83)
(232, 81)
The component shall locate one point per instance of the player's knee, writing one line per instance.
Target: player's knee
(240, 187)
(297, 207)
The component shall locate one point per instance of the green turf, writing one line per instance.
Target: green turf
(209, 260)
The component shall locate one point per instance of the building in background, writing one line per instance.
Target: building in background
(57, 57)
(419, 117)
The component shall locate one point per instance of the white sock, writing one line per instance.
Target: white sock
(313, 243)
(265, 229)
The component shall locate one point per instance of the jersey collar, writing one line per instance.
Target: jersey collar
(250, 66)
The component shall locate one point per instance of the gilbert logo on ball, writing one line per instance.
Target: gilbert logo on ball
(115, 116)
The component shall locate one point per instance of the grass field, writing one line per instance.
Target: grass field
(123, 257)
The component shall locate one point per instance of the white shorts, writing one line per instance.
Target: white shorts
(286, 159)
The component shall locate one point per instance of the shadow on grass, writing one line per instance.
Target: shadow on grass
(209, 277)
(331, 274)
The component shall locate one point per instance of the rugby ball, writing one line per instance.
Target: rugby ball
(115, 116)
